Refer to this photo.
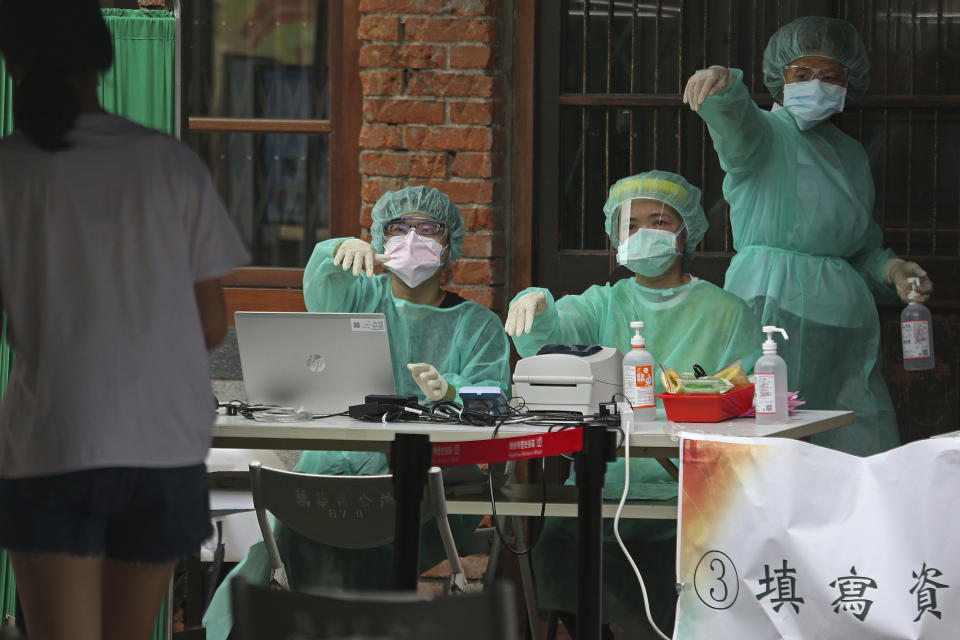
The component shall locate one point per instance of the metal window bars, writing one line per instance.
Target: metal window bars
(624, 64)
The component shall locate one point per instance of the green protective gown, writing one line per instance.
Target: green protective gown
(809, 257)
(696, 323)
(467, 345)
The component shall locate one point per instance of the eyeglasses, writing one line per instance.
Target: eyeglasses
(401, 227)
(801, 73)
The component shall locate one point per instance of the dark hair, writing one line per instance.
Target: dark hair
(53, 45)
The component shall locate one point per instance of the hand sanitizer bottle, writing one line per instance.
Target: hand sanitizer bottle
(916, 332)
(638, 378)
(770, 371)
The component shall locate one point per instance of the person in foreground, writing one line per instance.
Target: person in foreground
(112, 249)
(439, 342)
(656, 221)
(809, 253)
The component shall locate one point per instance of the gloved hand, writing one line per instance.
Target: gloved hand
(359, 255)
(431, 382)
(705, 83)
(897, 272)
(523, 311)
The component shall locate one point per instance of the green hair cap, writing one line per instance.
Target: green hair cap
(425, 200)
(817, 36)
(668, 188)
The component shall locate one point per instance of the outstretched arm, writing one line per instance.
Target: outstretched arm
(741, 132)
(339, 277)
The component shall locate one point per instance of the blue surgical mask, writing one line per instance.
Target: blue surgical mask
(649, 252)
(812, 101)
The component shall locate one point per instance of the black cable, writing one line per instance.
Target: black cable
(541, 519)
(392, 412)
(566, 456)
(238, 407)
(232, 406)
(330, 415)
(619, 424)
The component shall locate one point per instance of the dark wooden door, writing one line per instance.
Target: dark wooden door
(609, 81)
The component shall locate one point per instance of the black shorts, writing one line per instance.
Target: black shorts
(122, 513)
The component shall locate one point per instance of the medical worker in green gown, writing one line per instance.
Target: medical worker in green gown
(809, 254)
(439, 342)
(655, 219)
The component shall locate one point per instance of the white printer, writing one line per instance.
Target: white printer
(569, 378)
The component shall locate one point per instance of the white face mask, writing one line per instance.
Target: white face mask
(812, 101)
(413, 258)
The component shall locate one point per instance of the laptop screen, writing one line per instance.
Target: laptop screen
(317, 362)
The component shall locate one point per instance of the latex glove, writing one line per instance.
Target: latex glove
(523, 311)
(897, 272)
(359, 255)
(431, 382)
(705, 83)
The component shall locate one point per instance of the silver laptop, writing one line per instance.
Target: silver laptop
(322, 362)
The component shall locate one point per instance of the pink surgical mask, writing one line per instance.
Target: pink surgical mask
(413, 258)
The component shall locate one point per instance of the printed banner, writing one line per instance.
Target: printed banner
(452, 454)
(780, 539)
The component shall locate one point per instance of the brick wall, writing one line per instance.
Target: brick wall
(432, 87)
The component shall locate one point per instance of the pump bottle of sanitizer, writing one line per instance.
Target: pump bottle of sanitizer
(916, 332)
(638, 383)
(770, 371)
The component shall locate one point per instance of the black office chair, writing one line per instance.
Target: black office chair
(262, 613)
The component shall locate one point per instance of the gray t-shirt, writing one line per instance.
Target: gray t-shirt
(100, 248)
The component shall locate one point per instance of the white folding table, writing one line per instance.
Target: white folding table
(657, 439)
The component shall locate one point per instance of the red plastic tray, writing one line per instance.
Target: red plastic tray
(707, 408)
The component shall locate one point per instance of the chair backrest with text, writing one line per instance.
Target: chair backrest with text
(261, 613)
(349, 512)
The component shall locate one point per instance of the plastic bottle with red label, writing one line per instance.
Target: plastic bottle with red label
(770, 391)
(638, 383)
(916, 332)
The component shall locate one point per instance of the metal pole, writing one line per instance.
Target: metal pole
(410, 456)
(599, 447)
(178, 71)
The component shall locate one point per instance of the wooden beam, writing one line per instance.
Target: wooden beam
(345, 113)
(266, 277)
(258, 125)
(522, 147)
(262, 300)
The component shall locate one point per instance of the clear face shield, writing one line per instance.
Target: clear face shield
(648, 234)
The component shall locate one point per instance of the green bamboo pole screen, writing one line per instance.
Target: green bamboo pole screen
(8, 592)
(141, 85)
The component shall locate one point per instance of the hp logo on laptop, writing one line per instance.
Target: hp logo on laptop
(316, 363)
